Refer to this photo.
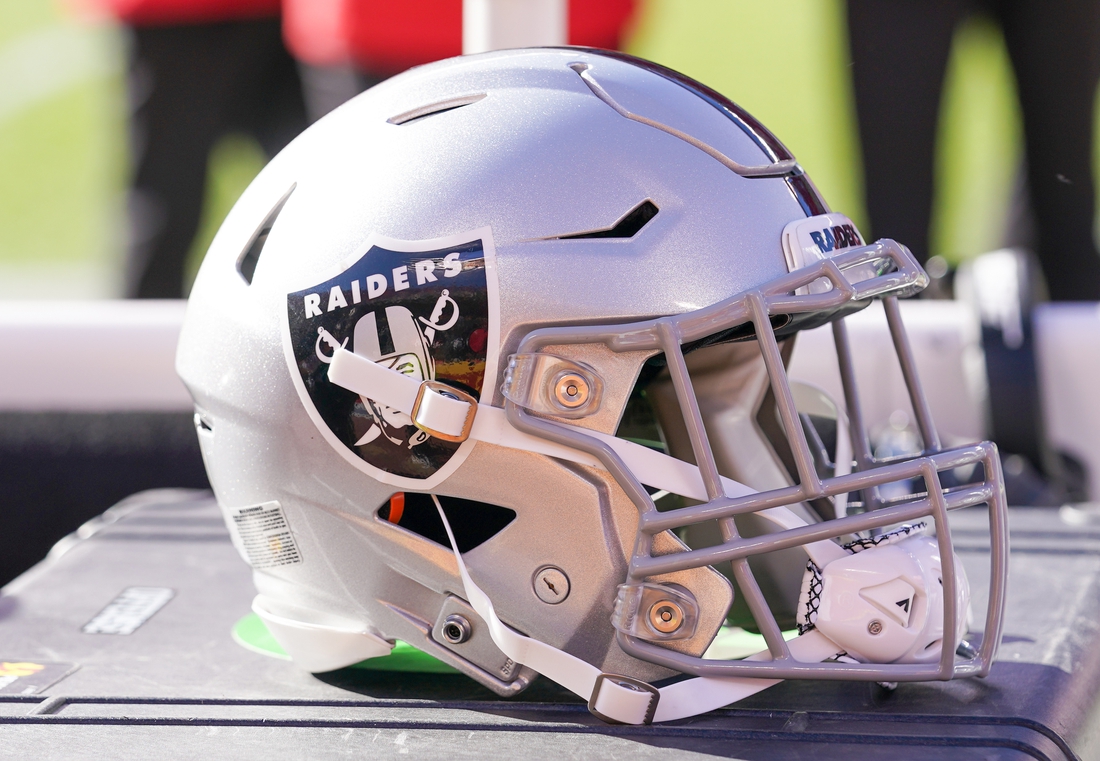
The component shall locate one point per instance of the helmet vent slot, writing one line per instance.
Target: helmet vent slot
(627, 227)
(434, 109)
(473, 523)
(250, 257)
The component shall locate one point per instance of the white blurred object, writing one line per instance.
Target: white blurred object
(499, 24)
(1067, 344)
(91, 356)
(946, 340)
(995, 282)
(102, 356)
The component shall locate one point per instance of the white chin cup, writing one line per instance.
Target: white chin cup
(886, 604)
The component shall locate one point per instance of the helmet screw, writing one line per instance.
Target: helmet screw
(666, 616)
(875, 627)
(571, 391)
(551, 585)
(456, 629)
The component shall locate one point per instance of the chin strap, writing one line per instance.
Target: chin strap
(456, 417)
(437, 411)
(622, 699)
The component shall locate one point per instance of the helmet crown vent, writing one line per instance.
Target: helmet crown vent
(627, 227)
(434, 109)
(250, 256)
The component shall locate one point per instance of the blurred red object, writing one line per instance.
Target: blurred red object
(385, 37)
(171, 12)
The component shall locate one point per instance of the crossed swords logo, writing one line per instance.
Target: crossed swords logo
(431, 325)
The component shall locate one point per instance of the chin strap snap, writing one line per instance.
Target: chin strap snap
(640, 699)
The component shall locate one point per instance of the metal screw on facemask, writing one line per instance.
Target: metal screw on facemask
(875, 627)
(666, 616)
(571, 391)
(456, 629)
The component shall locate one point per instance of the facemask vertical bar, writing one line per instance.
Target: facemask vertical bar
(861, 445)
(758, 605)
(689, 408)
(998, 560)
(949, 642)
(708, 468)
(912, 380)
(788, 412)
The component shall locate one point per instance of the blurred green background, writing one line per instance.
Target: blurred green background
(63, 142)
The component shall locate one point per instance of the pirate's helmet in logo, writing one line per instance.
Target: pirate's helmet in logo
(422, 313)
(410, 356)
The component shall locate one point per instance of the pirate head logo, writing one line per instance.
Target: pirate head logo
(422, 313)
(409, 353)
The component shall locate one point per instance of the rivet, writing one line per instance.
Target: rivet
(666, 616)
(571, 391)
(551, 585)
(875, 627)
(456, 629)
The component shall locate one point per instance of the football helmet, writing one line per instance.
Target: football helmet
(491, 360)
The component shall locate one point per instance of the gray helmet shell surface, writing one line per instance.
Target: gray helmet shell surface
(487, 196)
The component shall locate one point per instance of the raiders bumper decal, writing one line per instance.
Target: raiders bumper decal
(422, 308)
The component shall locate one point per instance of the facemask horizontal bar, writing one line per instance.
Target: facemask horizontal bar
(653, 523)
(813, 532)
(792, 669)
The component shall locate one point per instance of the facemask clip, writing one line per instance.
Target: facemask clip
(552, 385)
(655, 612)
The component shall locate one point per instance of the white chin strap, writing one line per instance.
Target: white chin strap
(622, 699)
(611, 697)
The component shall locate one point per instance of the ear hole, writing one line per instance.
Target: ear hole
(473, 523)
(396, 508)
(250, 257)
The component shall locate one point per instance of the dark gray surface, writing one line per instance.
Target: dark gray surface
(180, 686)
(58, 469)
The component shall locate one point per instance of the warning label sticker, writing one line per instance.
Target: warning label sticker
(263, 536)
(132, 608)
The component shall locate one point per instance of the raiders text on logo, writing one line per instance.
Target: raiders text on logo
(377, 285)
(837, 237)
(422, 313)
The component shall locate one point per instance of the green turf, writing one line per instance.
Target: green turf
(63, 164)
(20, 17)
(62, 147)
(979, 145)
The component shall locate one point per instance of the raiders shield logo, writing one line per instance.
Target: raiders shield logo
(425, 309)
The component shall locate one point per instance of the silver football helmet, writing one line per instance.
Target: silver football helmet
(491, 360)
